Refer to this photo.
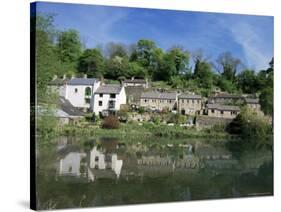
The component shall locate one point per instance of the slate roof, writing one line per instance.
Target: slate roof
(189, 96)
(58, 81)
(223, 107)
(168, 96)
(134, 91)
(251, 101)
(158, 95)
(143, 81)
(227, 95)
(82, 81)
(67, 107)
(109, 89)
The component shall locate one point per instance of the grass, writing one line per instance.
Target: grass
(143, 131)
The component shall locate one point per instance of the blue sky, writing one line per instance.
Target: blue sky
(247, 37)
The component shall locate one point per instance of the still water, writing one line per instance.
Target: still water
(87, 172)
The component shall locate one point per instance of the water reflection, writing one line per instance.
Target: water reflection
(108, 158)
(78, 172)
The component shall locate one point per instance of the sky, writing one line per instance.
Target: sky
(247, 37)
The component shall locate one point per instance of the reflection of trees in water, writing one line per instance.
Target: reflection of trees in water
(255, 175)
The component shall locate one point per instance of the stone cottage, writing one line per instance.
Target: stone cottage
(189, 104)
(222, 111)
(154, 100)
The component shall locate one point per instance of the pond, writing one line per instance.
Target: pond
(87, 172)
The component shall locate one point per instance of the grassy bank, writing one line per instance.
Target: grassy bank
(144, 130)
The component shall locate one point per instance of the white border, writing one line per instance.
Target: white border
(14, 142)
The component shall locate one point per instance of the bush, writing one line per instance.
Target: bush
(177, 119)
(111, 122)
(141, 110)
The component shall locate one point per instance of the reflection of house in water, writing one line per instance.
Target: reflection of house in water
(100, 163)
(70, 164)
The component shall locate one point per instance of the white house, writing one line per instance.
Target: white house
(102, 161)
(108, 98)
(79, 91)
(70, 164)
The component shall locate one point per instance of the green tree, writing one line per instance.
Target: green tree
(116, 67)
(144, 52)
(69, 46)
(92, 63)
(247, 81)
(266, 100)
(45, 58)
(203, 74)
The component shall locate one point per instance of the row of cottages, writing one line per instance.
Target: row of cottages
(185, 103)
(90, 93)
(222, 111)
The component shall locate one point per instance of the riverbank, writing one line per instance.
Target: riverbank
(144, 130)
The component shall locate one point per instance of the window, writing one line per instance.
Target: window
(198, 101)
(100, 95)
(88, 91)
(87, 100)
(221, 111)
(213, 111)
(169, 101)
(192, 100)
(146, 100)
(76, 90)
(100, 103)
(153, 100)
(96, 158)
(112, 95)
(182, 101)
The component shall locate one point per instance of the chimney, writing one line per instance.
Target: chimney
(132, 78)
(85, 76)
(72, 76)
(55, 77)
(64, 77)
(101, 80)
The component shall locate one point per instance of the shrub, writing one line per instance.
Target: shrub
(141, 110)
(111, 122)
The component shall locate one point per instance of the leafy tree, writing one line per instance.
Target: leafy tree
(266, 100)
(266, 96)
(92, 63)
(227, 85)
(144, 52)
(69, 46)
(203, 74)
(250, 125)
(45, 58)
(180, 58)
(136, 70)
(247, 81)
(116, 67)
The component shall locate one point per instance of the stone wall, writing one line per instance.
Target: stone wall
(207, 122)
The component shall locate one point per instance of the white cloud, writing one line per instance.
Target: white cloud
(255, 46)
